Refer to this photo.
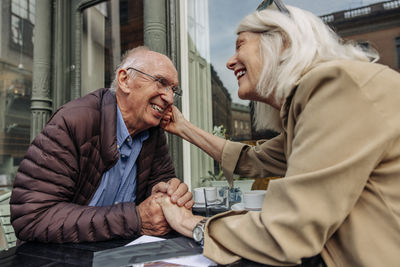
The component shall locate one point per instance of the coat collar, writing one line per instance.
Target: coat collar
(108, 145)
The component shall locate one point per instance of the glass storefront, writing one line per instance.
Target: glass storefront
(199, 37)
(16, 57)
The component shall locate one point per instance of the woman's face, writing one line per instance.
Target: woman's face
(246, 64)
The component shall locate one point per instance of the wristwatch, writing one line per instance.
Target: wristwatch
(198, 231)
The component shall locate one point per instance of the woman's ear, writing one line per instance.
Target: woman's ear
(123, 78)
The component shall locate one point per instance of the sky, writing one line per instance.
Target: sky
(225, 15)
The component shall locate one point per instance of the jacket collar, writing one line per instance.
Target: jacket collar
(108, 141)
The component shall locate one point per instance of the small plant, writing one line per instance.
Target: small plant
(219, 131)
(213, 177)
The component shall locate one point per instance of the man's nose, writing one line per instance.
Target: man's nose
(231, 62)
(168, 97)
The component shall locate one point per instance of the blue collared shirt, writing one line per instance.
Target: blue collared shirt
(118, 184)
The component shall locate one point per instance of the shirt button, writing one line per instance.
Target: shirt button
(128, 139)
(116, 202)
(123, 156)
(117, 146)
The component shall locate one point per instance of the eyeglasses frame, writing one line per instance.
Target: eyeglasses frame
(175, 89)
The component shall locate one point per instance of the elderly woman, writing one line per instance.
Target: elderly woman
(338, 151)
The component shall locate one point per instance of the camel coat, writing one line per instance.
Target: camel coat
(339, 153)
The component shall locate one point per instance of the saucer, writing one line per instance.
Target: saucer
(240, 206)
(199, 205)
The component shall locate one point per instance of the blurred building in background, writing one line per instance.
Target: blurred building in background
(377, 25)
(241, 122)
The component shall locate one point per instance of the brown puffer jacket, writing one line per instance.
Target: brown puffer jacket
(63, 168)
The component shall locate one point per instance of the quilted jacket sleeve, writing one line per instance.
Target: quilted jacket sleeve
(42, 207)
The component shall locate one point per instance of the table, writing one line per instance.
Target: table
(35, 254)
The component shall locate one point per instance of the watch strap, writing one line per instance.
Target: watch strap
(201, 224)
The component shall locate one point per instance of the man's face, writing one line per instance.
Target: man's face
(146, 100)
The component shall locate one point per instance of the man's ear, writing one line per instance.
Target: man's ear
(123, 78)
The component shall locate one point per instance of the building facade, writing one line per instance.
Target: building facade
(221, 104)
(241, 122)
(377, 25)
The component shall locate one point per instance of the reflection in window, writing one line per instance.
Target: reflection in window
(22, 23)
(15, 87)
(108, 30)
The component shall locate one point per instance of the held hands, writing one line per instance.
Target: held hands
(151, 214)
(179, 193)
(152, 217)
(180, 219)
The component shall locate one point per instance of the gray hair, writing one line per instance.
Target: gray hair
(130, 58)
(292, 46)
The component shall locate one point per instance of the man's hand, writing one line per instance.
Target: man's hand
(152, 217)
(177, 191)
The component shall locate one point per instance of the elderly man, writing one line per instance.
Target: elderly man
(97, 167)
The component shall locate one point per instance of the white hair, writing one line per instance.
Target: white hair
(130, 58)
(290, 46)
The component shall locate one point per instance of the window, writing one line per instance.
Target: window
(108, 30)
(22, 24)
(15, 86)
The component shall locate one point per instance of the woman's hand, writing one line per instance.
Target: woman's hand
(173, 121)
(180, 219)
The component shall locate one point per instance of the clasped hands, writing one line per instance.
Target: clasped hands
(171, 198)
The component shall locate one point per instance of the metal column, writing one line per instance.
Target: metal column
(41, 102)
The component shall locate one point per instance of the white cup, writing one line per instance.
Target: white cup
(253, 200)
(211, 194)
(198, 195)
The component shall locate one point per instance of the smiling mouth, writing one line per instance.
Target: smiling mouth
(157, 108)
(240, 73)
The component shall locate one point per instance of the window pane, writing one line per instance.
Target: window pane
(15, 7)
(15, 95)
(109, 29)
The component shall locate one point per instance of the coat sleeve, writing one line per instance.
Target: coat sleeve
(266, 158)
(330, 162)
(42, 207)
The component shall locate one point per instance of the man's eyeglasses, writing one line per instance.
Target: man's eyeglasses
(163, 82)
(278, 3)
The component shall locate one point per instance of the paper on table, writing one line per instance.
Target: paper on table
(195, 260)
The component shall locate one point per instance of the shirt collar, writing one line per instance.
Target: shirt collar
(122, 131)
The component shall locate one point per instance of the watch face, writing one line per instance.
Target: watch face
(197, 233)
